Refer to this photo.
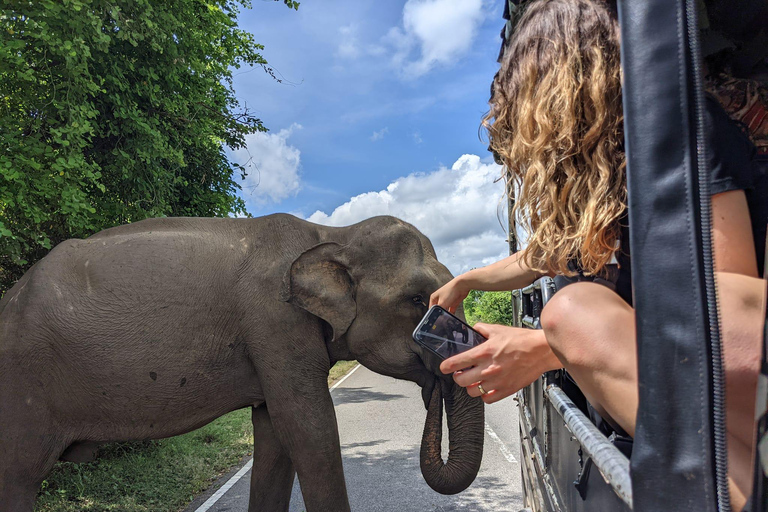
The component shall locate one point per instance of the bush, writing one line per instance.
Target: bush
(113, 111)
(488, 307)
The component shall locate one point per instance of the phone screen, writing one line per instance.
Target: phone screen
(444, 334)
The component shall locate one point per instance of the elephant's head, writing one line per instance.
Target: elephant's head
(371, 286)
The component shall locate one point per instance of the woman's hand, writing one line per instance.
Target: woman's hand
(511, 359)
(450, 295)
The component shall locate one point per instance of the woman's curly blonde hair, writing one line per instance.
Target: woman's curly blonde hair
(556, 122)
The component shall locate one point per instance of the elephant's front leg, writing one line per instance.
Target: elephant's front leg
(302, 415)
(272, 473)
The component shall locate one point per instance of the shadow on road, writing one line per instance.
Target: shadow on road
(386, 479)
(367, 443)
(359, 395)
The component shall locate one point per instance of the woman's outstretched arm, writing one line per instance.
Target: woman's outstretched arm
(507, 274)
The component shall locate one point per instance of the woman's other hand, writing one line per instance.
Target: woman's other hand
(511, 359)
(450, 295)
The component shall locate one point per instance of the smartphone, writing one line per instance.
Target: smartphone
(444, 334)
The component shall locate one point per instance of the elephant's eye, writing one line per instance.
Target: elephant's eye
(419, 300)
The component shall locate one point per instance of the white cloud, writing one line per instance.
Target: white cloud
(417, 138)
(457, 208)
(433, 32)
(379, 134)
(272, 165)
(349, 47)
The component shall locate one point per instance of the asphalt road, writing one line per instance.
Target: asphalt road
(380, 423)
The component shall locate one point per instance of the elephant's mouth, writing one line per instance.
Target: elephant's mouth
(426, 390)
(430, 362)
(427, 380)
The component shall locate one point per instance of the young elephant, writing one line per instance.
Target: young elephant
(156, 328)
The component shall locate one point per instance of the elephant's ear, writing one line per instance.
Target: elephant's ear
(319, 282)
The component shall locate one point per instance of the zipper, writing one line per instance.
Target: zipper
(713, 313)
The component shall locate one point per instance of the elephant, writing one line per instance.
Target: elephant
(155, 328)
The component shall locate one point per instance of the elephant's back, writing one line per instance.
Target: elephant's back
(159, 261)
(196, 225)
(264, 228)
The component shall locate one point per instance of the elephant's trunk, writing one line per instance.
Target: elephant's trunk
(466, 420)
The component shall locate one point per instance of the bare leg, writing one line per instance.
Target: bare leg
(592, 331)
(272, 474)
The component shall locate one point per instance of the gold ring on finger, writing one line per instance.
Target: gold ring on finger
(482, 391)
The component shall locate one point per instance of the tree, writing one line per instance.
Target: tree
(488, 307)
(113, 111)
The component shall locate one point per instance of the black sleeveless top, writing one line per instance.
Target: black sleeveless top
(734, 165)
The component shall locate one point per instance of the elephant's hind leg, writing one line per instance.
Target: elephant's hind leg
(272, 474)
(16, 494)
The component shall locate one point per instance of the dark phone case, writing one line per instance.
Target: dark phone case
(443, 312)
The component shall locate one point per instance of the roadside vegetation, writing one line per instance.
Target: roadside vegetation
(339, 370)
(162, 475)
(488, 307)
(152, 476)
(113, 111)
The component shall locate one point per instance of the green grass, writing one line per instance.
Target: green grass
(150, 476)
(339, 370)
(154, 476)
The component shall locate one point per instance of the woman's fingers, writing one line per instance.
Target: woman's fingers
(474, 391)
(471, 357)
(448, 296)
(484, 329)
(466, 378)
(492, 393)
(477, 356)
(495, 395)
(437, 299)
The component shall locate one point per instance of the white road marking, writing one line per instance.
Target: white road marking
(240, 474)
(345, 377)
(224, 488)
(503, 447)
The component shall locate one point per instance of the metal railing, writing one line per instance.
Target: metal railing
(600, 451)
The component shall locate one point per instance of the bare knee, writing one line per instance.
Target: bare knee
(582, 323)
(563, 322)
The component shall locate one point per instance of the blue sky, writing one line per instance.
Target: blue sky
(378, 113)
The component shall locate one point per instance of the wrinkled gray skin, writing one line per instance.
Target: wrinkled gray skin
(156, 328)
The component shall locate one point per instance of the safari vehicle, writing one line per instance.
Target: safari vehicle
(571, 459)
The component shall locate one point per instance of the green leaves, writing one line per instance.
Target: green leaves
(488, 307)
(113, 111)
(5, 231)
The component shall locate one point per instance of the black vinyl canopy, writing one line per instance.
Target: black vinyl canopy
(679, 459)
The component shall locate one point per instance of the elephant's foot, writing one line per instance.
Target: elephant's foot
(272, 474)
